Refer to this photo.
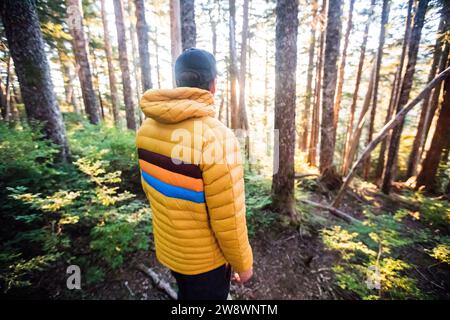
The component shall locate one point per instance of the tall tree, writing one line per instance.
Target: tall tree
(285, 96)
(243, 121)
(124, 67)
(362, 57)
(6, 110)
(188, 28)
(175, 34)
(378, 60)
(233, 65)
(332, 44)
(419, 138)
(32, 68)
(340, 85)
(315, 119)
(356, 134)
(413, 49)
(144, 55)
(434, 102)
(109, 60)
(395, 90)
(68, 75)
(439, 142)
(303, 141)
(136, 75)
(76, 27)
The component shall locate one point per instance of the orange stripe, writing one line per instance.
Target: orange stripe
(172, 178)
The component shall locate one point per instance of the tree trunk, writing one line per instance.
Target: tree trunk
(66, 71)
(265, 120)
(285, 95)
(233, 66)
(337, 104)
(144, 55)
(213, 23)
(95, 72)
(393, 123)
(7, 110)
(188, 28)
(124, 67)
(427, 175)
(3, 110)
(413, 49)
(76, 27)
(109, 60)
(303, 143)
(134, 58)
(332, 44)
(396, 90)
(33, 70)
(158, 67)
(414, 158)
(175, 34)
(435, 98)
(242, 115)
(362, 57)
(356, 135)
(379, 59)
(314, 140)
(389, 112)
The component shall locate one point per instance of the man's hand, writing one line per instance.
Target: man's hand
(242, 277)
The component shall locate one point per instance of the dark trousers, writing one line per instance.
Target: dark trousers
(211, 285)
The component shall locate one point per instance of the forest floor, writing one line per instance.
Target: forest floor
(289, 262)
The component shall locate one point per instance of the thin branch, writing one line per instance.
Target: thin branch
(158, 281)
(334, 211)
(390, 125)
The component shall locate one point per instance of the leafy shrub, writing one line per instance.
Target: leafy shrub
(25, 157)
(116, 147)
(441, 252)
(435, 213)
(117, 225)
(257, 198)
(370, 255)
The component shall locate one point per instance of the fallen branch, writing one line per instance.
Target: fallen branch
(158, 281)
(383, 133)
(334, 211)
(306, 175)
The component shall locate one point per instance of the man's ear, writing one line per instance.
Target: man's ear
(212, 86)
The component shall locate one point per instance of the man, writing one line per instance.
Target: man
(192, 175)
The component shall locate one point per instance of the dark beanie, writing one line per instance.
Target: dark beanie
(197, 61)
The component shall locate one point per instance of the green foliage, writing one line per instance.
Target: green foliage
(47, 208)
(441, 252)
(435, 213)
(99, 142)
(25, 158)
(257, 198)
(16, 270)
(372, 252)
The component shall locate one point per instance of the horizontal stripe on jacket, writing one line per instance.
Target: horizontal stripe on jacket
(173, 191)
(187, 169)
(173, 178)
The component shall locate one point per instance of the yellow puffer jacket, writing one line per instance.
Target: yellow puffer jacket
(192, 175)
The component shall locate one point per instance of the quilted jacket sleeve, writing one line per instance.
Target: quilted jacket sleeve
(223, 179)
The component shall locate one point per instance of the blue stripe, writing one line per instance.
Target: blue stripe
(173, 191)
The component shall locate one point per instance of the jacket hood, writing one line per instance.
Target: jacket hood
(175, 105)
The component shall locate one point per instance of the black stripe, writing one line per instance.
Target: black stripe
(187, 169)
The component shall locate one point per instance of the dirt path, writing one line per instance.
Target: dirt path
(287, 266)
